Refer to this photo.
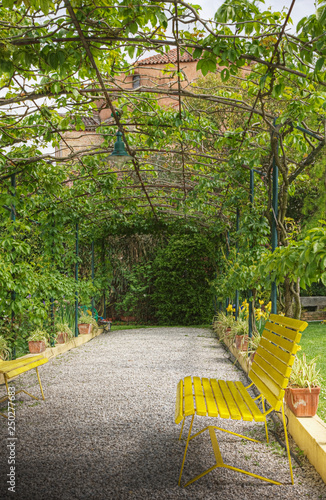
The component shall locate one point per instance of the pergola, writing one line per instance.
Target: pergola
(260, 109)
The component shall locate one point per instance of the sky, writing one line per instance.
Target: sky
(301, 7)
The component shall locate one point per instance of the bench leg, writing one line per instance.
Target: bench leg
(6, 397)
(39, 381)
(21, 390)
(219, 459)
(263, 408)
(185, 453)
(287, 444)
(183, 422)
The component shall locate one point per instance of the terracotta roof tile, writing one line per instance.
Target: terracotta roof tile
(169, 57)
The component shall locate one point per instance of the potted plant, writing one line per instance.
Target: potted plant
(37, 341)
(253, 344)
(302, 393)
(86, 324)
(240, 332)
(218, 324)
(64, 333)
(4, 349)
(222, 326)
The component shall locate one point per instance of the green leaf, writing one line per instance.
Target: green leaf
(197, 53)
(53, 60)
(319, 64)
(225, 74)
(133, 28)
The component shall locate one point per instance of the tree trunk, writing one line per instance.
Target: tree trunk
(295, 289)
(288, 297)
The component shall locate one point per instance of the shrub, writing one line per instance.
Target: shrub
(182, 272)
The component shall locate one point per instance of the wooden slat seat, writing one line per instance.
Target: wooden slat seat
(13, 368)
(270, 372)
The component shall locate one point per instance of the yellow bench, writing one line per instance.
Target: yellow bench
(11, 369)
(269, 372)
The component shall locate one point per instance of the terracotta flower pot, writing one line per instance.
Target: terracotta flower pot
(62, 337)
(252, 356)
(241, 342)
(36, 346)
(127, 318)
(228, 335)
(301, 401)
(85, 328)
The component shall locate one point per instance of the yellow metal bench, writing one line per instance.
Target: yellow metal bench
(11, 369)
(269, 372)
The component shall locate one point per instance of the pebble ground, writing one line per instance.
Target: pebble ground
(106, 430)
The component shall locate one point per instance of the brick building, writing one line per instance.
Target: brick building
(157, 71)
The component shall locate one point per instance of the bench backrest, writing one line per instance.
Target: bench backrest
(274, 358)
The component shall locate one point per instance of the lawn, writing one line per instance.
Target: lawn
(313, 343)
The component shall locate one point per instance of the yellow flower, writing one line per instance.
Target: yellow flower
(269, 306)
(229, 308)
(89, 312)
(244, 303)
(261, 302)
(259, 313)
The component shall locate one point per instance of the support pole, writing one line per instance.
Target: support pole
(13, 218)
(52, 303)
(104, 269)
(227, 256)
(251, 196)
(93, 274)
(251, 199)
(250, 315)
(237, 246)
(274, 226)
(76, 279)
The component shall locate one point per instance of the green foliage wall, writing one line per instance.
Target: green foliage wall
(182, 269)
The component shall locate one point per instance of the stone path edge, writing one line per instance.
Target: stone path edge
(309, 433)
(52, 352)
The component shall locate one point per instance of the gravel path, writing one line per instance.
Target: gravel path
(106, 429)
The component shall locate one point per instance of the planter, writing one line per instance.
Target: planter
(128, 318)
(62, 338)
(241, 342)
(36, 346)
(228, 336)
(218, 329)
(301, 401)
(85, 328)
(252, 356)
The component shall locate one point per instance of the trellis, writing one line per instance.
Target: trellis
(196, 183)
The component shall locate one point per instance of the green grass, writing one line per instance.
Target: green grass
(313, 343)
(129, 327)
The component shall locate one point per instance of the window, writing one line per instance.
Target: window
(136, 81)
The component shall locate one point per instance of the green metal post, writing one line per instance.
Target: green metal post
(237, 246)
(274, 226)
(251, 199)
(227, 256)
(13, 218)
(250, 315)
(104, 301)
(251, 196)
(93, 274)
(76, 279)
(52, 302)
